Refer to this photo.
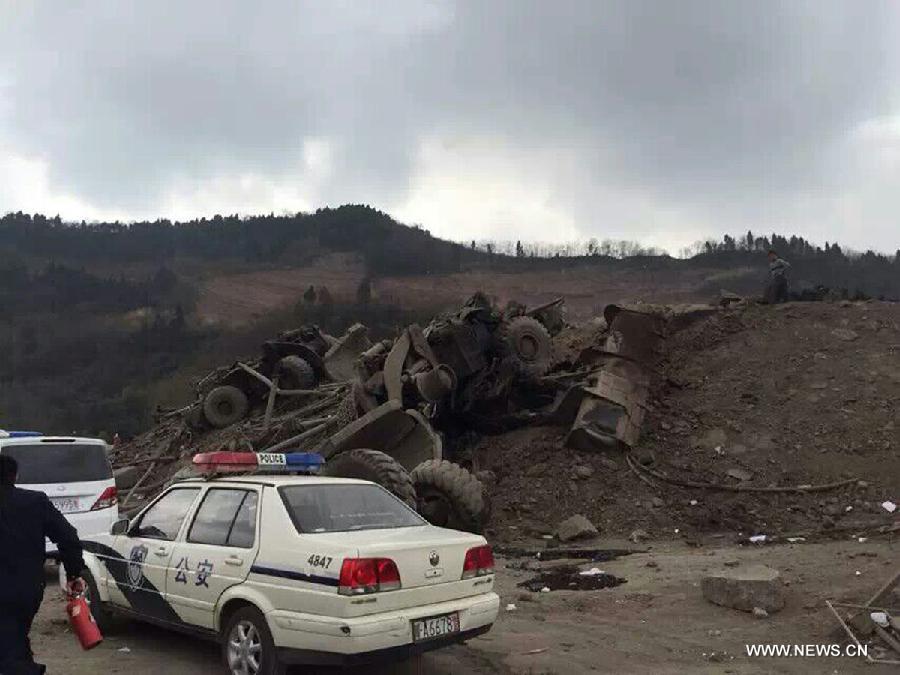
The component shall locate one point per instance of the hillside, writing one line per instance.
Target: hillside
(236, 299)
(100, 322)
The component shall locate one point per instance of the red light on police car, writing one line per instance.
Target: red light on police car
(225, 462)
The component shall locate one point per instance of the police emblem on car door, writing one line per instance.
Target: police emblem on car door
(136, 565)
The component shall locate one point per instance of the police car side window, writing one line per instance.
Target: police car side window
(163, 520)
(227, 517)
(243, 532)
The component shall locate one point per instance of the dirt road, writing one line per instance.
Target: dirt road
(655, 622)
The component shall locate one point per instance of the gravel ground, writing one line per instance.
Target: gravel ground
(657, 621)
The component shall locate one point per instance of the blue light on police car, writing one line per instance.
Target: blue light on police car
(19, 434)
(308, 460)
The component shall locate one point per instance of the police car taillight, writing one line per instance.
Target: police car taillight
(257, 462)
(107, 499)
(479, 562)
(368, 575)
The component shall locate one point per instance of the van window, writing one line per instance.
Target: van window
(59, 462)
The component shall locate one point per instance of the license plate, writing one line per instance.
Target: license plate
(435, 627)
(271, 459)
(66, 504)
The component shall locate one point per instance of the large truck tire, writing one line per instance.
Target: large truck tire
(525, 342)
(375, 466)
(449, 496)
(224, 406)
(295, 372)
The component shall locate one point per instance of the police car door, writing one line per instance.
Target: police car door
(138, 576)
(216, 552)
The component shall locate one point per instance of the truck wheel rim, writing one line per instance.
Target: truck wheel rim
(528, 347)
(244, 649)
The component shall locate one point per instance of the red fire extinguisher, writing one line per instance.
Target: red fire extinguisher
(82, 622)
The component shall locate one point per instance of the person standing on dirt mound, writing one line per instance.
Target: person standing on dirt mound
(777, 288)
(26, 518)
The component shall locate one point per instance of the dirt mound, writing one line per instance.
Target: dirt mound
(747, 401)
(793, 395)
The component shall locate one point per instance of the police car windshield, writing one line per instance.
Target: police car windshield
(59, 462)
(345, 508)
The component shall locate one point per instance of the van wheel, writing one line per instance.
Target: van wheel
(102, 616)
(247, 645)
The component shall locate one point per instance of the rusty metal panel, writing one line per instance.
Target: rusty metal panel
(393, 367)
(614, 407)
(635, 335)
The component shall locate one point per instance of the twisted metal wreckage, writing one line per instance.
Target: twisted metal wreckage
(402, 412)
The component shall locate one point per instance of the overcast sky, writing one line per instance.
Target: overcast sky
(664, 121)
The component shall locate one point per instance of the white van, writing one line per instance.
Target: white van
(74, 473)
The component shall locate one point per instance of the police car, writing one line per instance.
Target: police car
(285, 569)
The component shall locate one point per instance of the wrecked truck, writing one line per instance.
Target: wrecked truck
(297, 361)
(402, 404)
(392, 412)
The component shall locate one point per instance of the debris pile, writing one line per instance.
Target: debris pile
(657, 420)
(403, 412)
(874, 625)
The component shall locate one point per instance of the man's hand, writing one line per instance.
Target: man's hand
(76, 586)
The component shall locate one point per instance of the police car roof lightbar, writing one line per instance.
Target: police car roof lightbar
(261, 462)
(19, 434)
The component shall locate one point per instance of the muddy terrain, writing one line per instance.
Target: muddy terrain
(769, 437)
(655, 622)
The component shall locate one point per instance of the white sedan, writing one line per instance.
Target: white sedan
(294, 569)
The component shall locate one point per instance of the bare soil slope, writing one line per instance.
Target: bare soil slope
(239, 298)
(803, 393)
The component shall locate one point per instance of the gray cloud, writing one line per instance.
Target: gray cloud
(658, 120)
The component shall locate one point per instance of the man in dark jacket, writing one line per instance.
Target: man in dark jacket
(777, 288)
(26, 518)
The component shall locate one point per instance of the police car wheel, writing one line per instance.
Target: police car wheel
(102, 616)
(247, 646)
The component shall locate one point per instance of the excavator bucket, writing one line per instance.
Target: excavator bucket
(340, 359)
(405, 435)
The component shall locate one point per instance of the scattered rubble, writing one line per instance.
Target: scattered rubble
(504, 429)
(845, 334)
(576, 527)
(739, 474)
(569, 578)
(750, 587)
(879, 629)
